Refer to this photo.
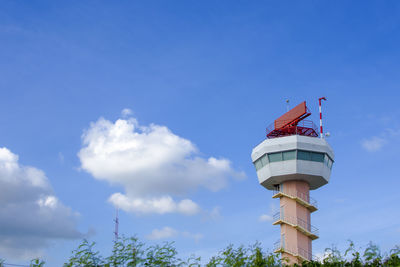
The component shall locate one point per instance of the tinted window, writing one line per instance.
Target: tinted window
(261, 162)
(303, 155)
(288, 155)
(319, 157)
(326, 160)
(258, 164)
(264, 160)
(274, 157)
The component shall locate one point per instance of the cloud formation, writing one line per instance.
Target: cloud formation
(265, 218)
(160, 205)
(372, 144)
(152, 164)
(30, 214)
(269, 216)
(387, 136)
(126, 112)
(168, 232)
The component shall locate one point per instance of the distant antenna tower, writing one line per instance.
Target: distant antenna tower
(116, 225)
(287, 105)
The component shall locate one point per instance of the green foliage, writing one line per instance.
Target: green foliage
(258, 258)
(85, 256)
(394, 257)
(253, 256)
(192, 261)
(37, 263)
(164, 255)
(230, 257)
(128, 252)
(333, 255)
(372, 257)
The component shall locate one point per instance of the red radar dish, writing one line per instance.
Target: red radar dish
(293, 123)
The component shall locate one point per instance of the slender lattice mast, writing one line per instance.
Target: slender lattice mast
(116, 221)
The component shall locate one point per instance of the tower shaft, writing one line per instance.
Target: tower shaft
(295, 221)
(291, 166)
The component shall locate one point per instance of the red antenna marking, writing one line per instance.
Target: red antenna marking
(320, 116)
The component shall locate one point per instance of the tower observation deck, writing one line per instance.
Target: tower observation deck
(291, 162)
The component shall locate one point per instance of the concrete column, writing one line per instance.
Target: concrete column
(293, 214)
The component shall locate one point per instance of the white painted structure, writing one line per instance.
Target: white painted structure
(315, 171)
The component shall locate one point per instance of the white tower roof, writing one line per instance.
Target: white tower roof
(293, 157)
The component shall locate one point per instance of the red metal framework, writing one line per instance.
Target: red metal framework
(293, 123)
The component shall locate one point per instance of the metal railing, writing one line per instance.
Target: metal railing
(304, 127)
(296, 221)
(279, 245)
(305, 254)
(301, 195)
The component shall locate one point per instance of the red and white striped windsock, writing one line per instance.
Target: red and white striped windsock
(320, 117)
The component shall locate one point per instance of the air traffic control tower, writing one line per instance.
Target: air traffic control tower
(293, 160)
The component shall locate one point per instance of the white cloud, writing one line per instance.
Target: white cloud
(374, 143)
(168, 232)
(211, 215)
(215, 213)
(30, 214)
(61, 157)
(152, 163)
(126, 112)
(268, 217)
(265, 218)
(387, 136)
(196, 237)
(160, 205)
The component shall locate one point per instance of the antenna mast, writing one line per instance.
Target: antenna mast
(320, 117)
(116, 226)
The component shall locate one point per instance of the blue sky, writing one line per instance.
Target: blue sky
(202, 79)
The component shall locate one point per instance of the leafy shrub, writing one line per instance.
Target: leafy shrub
(131, 252)
(253, 256)
(37, 263)
(85, 256)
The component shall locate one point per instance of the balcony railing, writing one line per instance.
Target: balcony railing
(300, 195)
(304, 226)
(304, 127)
(304, 254)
